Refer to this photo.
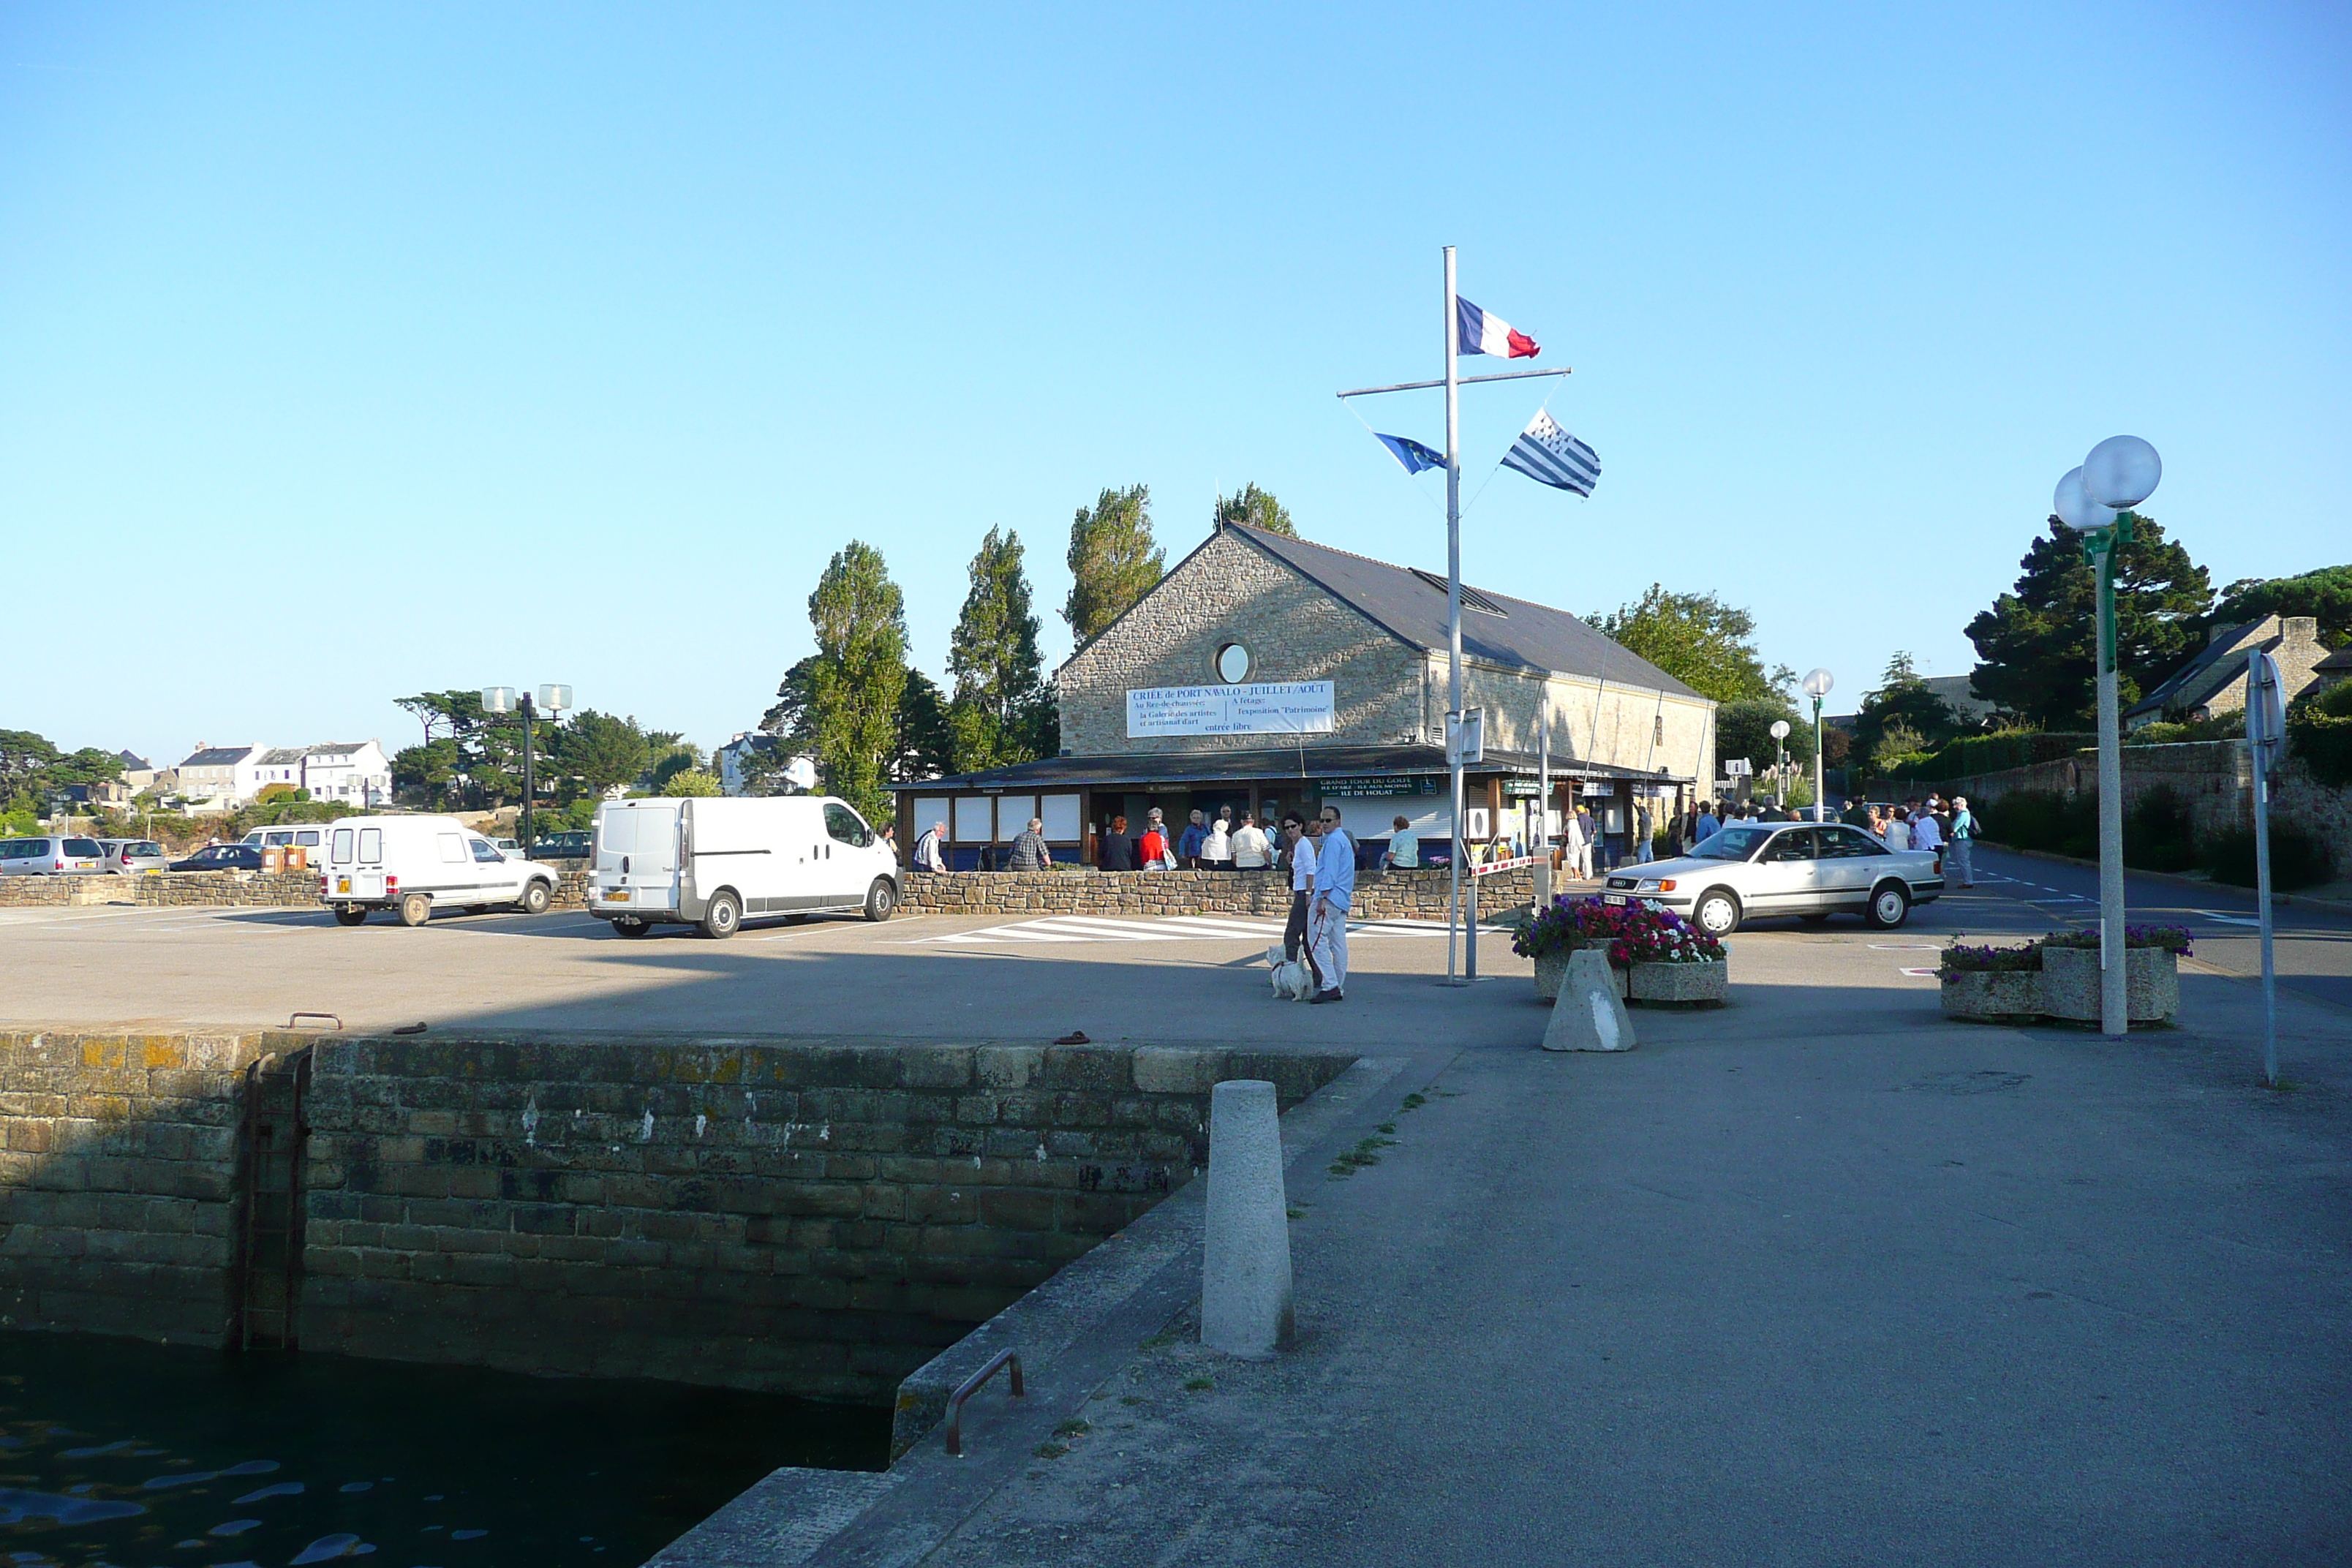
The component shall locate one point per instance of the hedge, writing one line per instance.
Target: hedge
(2324, 742)
(1973, 754)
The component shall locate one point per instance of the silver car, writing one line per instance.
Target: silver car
(53, 856)
(1757, 870)
(133, 856)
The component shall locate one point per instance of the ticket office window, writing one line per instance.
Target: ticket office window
(1061, 815)
(973, 823)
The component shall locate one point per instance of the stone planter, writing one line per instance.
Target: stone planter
(1697, 984)
(1551, 968)
(2070, 984)
(2005, 995)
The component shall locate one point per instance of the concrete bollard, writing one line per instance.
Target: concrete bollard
(1588, 1016)
(1246, 1307)
(1543, 884)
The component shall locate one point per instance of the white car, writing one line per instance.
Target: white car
(1757, 870)
(718, 862)
(415, 865)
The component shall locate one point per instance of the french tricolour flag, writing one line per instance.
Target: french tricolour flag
(1477, 331)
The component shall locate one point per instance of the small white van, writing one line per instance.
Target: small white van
(415, 865)
(717, 862)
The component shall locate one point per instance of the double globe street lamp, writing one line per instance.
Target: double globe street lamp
(2095, 503)
(553, 700)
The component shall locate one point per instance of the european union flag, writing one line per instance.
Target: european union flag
(1412, 453)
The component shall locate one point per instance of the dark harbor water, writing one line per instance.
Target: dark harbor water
(115, 1452)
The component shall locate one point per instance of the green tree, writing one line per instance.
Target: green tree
(1904, 699)
(1898, 745)
(993, 659)
(925, 745)
(1698, 639)
(691, 782)
(788, 720)
(667, 754)
(859, 677)
(1113, 561)
(424, 773)
(1744, 729)
(1256, 507)
(2038, 646)
(602, 751)
(2326, 595)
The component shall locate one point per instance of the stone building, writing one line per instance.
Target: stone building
(1265, 673)
(2215, 681)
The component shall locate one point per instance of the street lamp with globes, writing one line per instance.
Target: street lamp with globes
(2094, 502)
(502, 700)
(1817, 685)
(1780, 763)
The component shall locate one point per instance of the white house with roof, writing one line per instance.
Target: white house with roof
(353, 771)
(220, 778)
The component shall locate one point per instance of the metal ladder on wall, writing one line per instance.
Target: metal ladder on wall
(267, 1280)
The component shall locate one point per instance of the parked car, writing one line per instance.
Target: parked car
(56, 854)
(576, 844)
(1756, 869)
(132, 857)
(415, 865)
(508, 848)
(222, 858)
(311, 838)
(716, 862)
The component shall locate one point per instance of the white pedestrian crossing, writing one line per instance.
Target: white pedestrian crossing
(1052, 929)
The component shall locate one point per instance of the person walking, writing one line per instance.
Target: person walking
(929, 855)
(1253, 851)
(1118, 850)
(1189, 848)
(1156, 854)
(1964, 838)
(1299, 862)
(1029, 851)
(1404, 852)
(1926, 834)
(1709, 825)
(1335, 894)
(1576, 845)
(1217, 848)
(1643, 852)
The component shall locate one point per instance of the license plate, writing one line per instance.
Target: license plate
(618, 896)
(342, 884)
(1612, 898)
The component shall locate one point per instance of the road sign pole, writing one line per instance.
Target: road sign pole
(2262, 737)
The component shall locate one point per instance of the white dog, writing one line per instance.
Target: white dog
(1293, 981)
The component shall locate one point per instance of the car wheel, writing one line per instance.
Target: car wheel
(416, 909)
(1890, 906)
(1717, 912)
(881, 900)
(721, 918)
(534, 899)
(346, 915)
(631, 928)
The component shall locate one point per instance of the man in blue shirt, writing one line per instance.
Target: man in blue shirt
(1707, 825)
(1188, 848)
(1964, 838)
(1335, 892)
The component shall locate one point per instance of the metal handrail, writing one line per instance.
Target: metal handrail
(971, 1386)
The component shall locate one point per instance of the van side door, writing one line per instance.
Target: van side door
(843, 865)
(493, 872)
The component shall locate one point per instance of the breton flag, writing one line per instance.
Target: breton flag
(1411, 453)
(1477, 332)
(1549, 455)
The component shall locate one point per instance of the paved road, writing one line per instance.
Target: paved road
(1820, 1278)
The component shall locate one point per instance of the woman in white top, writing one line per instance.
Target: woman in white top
(1899, 832)
(1217, 849)
(1252, 852)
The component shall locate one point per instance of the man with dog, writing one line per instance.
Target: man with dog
(1299, 860)
(1334, 890)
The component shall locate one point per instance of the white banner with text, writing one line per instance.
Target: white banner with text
(1261, 708)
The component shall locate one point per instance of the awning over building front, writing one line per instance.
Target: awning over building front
(1176, 768)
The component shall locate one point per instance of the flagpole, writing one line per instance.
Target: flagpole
(1453, 623)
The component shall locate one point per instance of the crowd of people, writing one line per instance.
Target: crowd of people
(1946, 826)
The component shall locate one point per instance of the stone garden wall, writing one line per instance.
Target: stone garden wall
(283, 889)
(2213, 778)
(1380, 895)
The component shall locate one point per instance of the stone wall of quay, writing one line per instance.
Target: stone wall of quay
(255, 890)
(811, 1218)
(1420, 894)
(117, 1165)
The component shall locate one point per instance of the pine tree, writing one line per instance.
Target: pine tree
(924, 748)
(1113, 561)
(2038, 643)
(994, 661)
(1256, 507)
(859, 676)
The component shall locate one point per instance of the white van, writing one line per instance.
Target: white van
(717, 862)
(419, 864)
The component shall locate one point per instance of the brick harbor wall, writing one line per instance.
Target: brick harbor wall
(811, 1218)
(1380, 895)
(118, 1157)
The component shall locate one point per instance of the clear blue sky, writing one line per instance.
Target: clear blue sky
(566, 343)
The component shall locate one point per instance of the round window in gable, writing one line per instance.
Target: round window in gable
(1233, 663)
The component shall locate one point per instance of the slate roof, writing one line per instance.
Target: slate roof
(1277, 763)
(1412, 607)
(219, 757)
(2340, 659)
(280, 757)
(2185, 687)
(131, 760)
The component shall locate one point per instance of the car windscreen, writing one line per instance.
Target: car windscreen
(1732, 844)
